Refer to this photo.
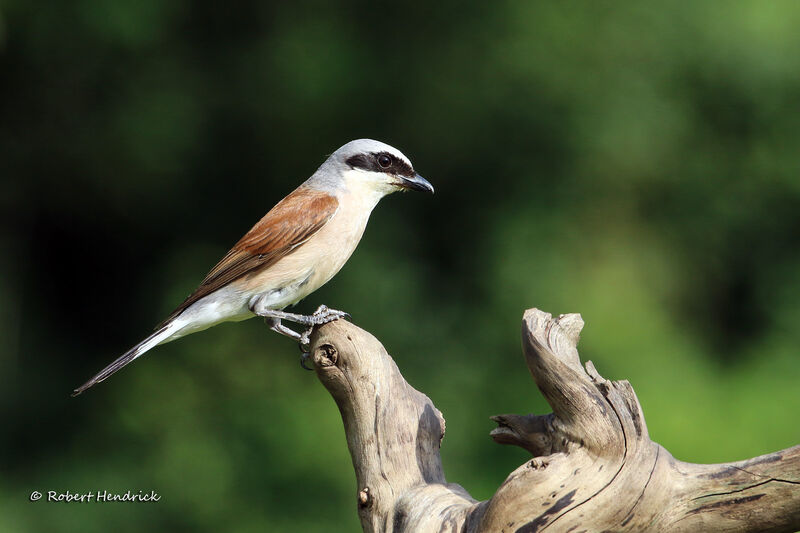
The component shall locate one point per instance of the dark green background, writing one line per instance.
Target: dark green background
(638, 163)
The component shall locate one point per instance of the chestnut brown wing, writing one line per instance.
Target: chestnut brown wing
(287, 225)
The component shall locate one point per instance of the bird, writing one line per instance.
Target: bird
(297, 247)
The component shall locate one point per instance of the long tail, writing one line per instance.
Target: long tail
(150, 342)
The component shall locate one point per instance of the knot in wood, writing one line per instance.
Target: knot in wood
(326, 355)
(537, 463)
(364, 498)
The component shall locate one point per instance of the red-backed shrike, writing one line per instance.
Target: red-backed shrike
(296, 248)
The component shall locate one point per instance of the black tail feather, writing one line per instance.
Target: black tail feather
(119, 363)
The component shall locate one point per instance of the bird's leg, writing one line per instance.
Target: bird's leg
(275, 325)
(283, 315)
(322, 315)
(302, 340)
(273, 318)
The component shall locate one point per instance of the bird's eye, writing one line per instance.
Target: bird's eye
(384, 161)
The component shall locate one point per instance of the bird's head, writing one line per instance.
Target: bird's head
(376, 167)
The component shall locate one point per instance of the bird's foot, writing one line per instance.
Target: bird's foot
(304, 342)
(323, 315)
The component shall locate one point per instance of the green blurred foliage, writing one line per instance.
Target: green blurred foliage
(637, 163)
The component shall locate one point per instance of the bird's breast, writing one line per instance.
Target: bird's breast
(314, 262)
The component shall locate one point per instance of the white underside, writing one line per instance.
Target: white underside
(223, 305)
(230, 304)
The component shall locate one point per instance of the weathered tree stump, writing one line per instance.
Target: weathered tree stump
(594, 468)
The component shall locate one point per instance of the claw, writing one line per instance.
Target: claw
(303, 358)
(304, 342)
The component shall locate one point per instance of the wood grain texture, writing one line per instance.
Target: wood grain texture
(286, 226)
(593, 466)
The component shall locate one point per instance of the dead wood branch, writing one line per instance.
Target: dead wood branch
(594, 466)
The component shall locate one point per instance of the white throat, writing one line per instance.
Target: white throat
(370, 187)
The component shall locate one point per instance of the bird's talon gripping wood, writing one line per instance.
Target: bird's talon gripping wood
(323, 316)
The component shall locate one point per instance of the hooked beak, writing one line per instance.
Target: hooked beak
(417, 183)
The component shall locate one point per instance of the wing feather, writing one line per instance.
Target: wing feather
(287, 226)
